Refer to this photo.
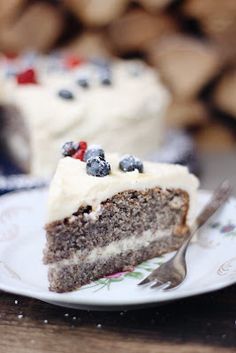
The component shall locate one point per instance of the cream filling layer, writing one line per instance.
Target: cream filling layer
(133, 243)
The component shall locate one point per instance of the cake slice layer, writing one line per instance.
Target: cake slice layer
(66, 276)
(126, 214)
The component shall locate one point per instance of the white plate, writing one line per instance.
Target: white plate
(211, 260)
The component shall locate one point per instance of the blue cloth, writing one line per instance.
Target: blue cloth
(12, 180)
(7, 167)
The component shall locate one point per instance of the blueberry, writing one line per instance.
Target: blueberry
(69, 148)
(101, 63)
(129, 163)
(105, 77)
(94, 151)
(106, 81)
(139, 165)
(65, 94)
(83, 82)
(98, 167)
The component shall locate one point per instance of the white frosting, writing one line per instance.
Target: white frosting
(72, 187)
(125, 116)
(133, 243)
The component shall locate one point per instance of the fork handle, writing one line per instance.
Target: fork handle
(219, 197)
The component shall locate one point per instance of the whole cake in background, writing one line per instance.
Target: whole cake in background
(108, 213)
(49, 99)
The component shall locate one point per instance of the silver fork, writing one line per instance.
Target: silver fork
(172, 273)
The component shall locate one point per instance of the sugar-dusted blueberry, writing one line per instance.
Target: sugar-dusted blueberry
(101, 63)
(66, 94)
(139, 165)
(69, 148)
(129, 163)
(97, 166)
(106, 81)
(83, 82)
(94, 151)
(105, 76)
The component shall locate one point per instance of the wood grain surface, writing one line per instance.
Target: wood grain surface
(204, 324)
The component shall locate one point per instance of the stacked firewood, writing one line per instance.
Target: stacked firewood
(192, 43)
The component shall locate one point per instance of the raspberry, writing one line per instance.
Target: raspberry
(11, 55)
(27, 77)
(74, 149)
(72, 61)
(79, 154)
(83, 145)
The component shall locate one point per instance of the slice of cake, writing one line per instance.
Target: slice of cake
(50, 99)
(107, 214)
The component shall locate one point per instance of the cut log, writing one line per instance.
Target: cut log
(218, 20)
(186, 64)
(181, 114)
(154, 5)
(97, 12)
(37, 28)
(9, 9)
(216, 16)
(224, 95)
(215, 137)
(90, 44)
(134, 30)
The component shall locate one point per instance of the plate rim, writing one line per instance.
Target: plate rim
(58, 297)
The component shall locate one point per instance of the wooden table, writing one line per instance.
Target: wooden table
(204, 324)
